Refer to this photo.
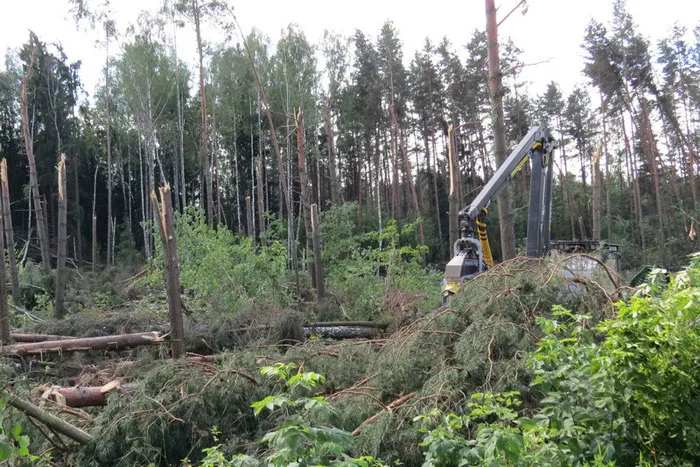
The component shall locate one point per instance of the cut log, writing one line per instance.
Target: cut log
(90, 396)
(51, 421)
(88, 343)
(27, 338)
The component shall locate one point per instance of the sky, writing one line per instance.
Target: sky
(550, 33)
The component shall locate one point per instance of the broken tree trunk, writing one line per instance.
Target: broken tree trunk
(318, 260)
(304, 186)
(4, 314)
(51, 421)
(9, 233)
(62, 239)
(118, 342)
(33, 181)
(172, 268)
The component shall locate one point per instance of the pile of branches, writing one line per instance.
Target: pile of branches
(478, 343)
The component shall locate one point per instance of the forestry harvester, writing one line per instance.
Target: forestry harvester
(472, 255)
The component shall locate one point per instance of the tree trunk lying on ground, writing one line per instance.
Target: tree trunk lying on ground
(88, 396)
(88, 343)
(48, 419)
(21, 338)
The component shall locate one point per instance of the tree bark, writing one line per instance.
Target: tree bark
(454, 197)
(260, 200)
(117, 342)
(94, 220)
(206, 182)
(4, 313)
(597, 186)
(87, 396)
(62, 239)
(304, 186)
(30, 338)
(505, 215)
(51, 421)
(33, 181)
(9, 233)
(110, 231)
(335, 191)
(318, 259)
(249, 214)
(166, 225)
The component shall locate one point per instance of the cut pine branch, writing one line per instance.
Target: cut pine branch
(394, 405)
(117, 342)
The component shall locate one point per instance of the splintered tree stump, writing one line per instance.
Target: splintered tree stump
(88, 343)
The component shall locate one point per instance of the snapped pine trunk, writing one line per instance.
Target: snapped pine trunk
(167, 231)
(454, 197)
(62, 238)
(33, 181)
(9, 233)
(304, 186)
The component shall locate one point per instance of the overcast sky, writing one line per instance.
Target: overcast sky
(552, 30)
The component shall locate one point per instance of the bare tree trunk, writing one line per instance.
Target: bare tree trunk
(118, 342)
(33, 181)
(51, 421)
(455, 186)
(167, 230)
(249, 213)
(505, 215)
(318, 260)
(438, 215)
(408, 172)
(206, 182)
(260, 200)
(9, 233)
(4, 314)
(335, 192)
(597, 186)
(94, 220)
(304, 186)
(608, 182)
(110, 232)
(395, 198)
(62, 239)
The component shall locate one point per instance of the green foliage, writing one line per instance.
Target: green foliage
(14, 445)
(224, 272)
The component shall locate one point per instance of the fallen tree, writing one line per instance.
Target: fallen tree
(86, 396)
(51, 421)
(23, 338)
(89, 343)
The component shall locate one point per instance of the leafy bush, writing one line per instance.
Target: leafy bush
(224, 272)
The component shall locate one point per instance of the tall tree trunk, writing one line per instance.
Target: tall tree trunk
(33, 181)
(94, 220)
(608, 182)
(110, 232)
(335, 192)
(261, 199)
(505, 215)
(455, 196)
(637, 192)
(318, 260)
(395, 199)
(4, 309)
(647, 137)
(62, 239)
(438, 215)
(408, 172)
(304, 187)
(206, 182)
(9, 233)
(597, 187)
